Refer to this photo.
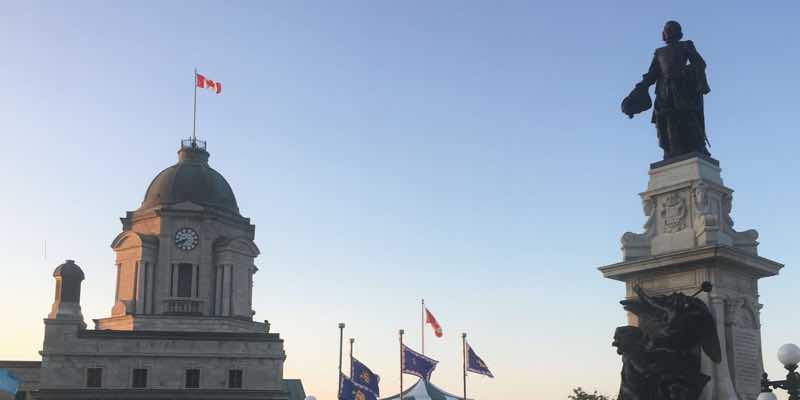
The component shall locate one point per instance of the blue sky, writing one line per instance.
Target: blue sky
(472, 153)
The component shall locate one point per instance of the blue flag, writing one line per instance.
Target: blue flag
(476, 365)
(8, 382)
(348, 390)
(364, 377)
(417, 364)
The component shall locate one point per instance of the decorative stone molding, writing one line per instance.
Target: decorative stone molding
(707, 210)
(673, 213)
(686, 206)
(123, 307)
(740, 312)
(239, 246)
(732, 311)
(637, 245)
(131, 239)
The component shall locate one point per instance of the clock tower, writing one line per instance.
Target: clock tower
(185, 257)
(181, 326)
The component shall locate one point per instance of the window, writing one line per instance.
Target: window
(21, 395)
(235, 379)
(139, 378)
(185, 280)
(192, 378)
(94, 377)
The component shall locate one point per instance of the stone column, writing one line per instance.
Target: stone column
(151, 283)
(227, 289)
(218, 277)
(173, 290)
(195, 277)
(141, 286)
(231, 290)
(252, 271)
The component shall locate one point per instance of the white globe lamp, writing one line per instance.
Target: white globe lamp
(789, 354)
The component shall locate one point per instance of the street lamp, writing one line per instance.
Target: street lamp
(789, 356)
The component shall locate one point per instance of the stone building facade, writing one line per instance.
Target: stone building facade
(181, 326)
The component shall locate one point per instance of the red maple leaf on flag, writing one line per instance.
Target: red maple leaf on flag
(205, 83)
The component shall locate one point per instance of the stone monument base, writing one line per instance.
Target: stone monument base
(689, 238)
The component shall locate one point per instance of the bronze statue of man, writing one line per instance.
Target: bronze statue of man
(679, 73)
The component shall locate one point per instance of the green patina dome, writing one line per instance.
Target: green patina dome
(191, 179)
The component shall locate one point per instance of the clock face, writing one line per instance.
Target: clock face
(186, 239)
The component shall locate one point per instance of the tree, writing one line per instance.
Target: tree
(579, 394)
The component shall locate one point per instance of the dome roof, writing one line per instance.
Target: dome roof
(69, 270)
(191, 179)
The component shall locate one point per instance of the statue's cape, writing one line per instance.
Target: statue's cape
(637, 101)
(709, 340)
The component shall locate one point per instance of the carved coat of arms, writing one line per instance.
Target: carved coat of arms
(673, 213)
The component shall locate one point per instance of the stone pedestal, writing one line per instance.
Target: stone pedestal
(689, 238)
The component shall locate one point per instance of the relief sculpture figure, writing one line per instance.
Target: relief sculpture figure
(661, 357)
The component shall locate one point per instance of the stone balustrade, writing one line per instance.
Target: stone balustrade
(183, 306)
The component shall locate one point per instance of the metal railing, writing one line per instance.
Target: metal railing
(193, 143)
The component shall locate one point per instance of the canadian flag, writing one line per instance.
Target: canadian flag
(430, 319)
(205, 83)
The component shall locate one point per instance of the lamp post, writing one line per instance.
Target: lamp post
(789, 356)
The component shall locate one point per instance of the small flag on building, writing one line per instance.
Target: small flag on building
(204, 83)
(364, 377)
(476, 365)
(349, 390)
(430, 319)
(8, 381)
(417, 364)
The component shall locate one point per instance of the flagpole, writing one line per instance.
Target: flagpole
(464, 355)
(194, 114)
(341, 338)
(352, 340)
(422, 327)
(401, 332)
